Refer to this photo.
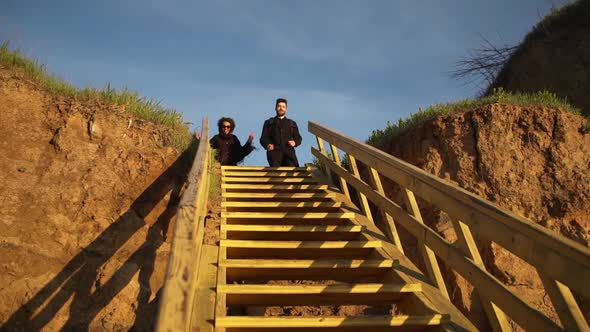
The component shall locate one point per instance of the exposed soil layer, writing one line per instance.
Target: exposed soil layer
(532, 161)
(88, 192)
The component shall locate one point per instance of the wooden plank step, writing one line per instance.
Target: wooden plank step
(267, 180)
(249, 186)
(280, 195)
(401, 321)
(335, 294)
(347, 270)
(288, 215)
(293, 232)
(266, 173)
(378, 288)
(300, 244)
(309, 263)
(292, 228)
(299, 249)
(263, 168)
(238, 204)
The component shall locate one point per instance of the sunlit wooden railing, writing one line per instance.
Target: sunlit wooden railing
(176, 302)
(562, 264)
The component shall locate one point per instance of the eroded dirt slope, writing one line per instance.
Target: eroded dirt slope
(87, 194)
(530, 160)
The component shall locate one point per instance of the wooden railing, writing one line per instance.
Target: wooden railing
(176, 303)
(562, 264)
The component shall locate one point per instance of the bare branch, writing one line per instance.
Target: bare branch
(482, 64)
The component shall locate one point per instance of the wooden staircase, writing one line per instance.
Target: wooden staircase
(288, 239)
(296, 253)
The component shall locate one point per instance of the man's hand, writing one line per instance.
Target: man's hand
(251, 137)
(270, 147)
(291, 143)
(197, 135)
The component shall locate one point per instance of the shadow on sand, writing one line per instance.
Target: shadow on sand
(78, 277)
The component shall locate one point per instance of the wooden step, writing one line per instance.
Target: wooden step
(275, 187)
(290, 196)
(310, 263)
(267, 180)
(235, 204)
(292, 228)
(266, 174)
(299, 249)
(355, 270)
(264, 168)
(288, 215)
(403, 322)
(300, 244)
(292, 232)
(335, 294)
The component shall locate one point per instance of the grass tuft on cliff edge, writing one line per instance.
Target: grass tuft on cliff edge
(179, 135)
(544, 98)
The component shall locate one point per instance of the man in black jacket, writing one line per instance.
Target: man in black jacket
(279, 137)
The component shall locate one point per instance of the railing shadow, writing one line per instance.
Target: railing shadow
(78, 276)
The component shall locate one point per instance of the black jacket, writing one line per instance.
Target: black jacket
(278, 132)
(229, 149)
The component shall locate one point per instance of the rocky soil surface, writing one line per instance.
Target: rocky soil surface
(532, 161)
(88, 192)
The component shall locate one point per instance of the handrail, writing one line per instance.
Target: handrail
(561, 263)
(176, 303)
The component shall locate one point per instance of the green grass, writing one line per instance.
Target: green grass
(214, 177)
(547, 99)
(176, 132)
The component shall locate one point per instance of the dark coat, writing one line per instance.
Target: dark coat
(278, 132)
(229, 149)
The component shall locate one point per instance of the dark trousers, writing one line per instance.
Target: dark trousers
(278, 158)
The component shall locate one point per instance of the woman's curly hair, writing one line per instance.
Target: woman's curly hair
(231, 121)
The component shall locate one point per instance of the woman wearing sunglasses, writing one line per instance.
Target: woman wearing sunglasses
(229, 149)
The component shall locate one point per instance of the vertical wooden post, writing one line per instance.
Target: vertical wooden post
(495, 315)
(363, 199)
(565, 304)
(428, 255)
(394, 235)
(325, 168)
(343, 184)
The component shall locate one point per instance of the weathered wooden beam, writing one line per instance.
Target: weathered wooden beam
(363, 199)
(565, 304)
(388, 219)
(176, 304)
(560, 258)
(520, 311)
(322, 149)
(336, 158)
(430, 262)
(496, 316)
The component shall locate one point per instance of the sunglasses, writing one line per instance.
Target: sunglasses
(225, 126)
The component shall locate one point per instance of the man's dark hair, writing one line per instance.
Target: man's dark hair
(280, 100)
(231, 121)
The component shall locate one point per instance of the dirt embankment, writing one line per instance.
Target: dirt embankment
(532, 161)
(87, 194)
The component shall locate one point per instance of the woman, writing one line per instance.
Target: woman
(229, 149)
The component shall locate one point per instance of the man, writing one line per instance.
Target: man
(279, 137)
(229, 149)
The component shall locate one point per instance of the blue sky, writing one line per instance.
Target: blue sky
(352, 65)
